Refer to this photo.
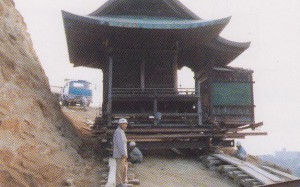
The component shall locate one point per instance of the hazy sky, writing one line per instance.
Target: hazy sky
(272, 26)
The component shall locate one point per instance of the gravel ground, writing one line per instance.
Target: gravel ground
(165, 171)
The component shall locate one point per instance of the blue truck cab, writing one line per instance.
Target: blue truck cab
(74, 92)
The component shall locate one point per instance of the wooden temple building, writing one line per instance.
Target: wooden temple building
(139, 45)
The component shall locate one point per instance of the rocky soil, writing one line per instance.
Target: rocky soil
(38, 146)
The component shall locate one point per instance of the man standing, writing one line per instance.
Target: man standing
(120, 153)
(84, 103)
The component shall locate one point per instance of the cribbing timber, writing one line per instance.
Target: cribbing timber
(246, 174)
(109, 174)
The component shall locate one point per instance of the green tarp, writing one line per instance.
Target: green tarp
(232, 94)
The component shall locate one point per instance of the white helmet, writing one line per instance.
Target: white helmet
(132, 144)
(238, 143)
(122, 121)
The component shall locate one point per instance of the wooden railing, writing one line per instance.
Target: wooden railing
(155, 91)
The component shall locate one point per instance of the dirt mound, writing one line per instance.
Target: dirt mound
(37, 144)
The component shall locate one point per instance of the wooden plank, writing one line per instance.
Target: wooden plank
(130, 176)
(232, 174)
(134, 182)
(144, 140)
(280, 173)
(229, 174)
(238, 178)
(151, 114)
(229, 159)
(187, 135)
(224, 168)
(103, 182)
(255, 168)
(209, 158)
(213, 162)
(239, 181)
(236, 174)
(256, 184)
(253, 126)
(248, 182)
(165, 130)
(292, 183)
(265, 173)
(111, 182)
(263, 177)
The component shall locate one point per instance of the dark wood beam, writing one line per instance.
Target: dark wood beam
(175, 68)
(143, 73)
(109, 102)
(199, 105)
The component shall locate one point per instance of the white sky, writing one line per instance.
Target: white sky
(272, 26)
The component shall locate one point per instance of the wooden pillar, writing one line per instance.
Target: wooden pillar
(175, 75)
(197, 85)
(143, 73)
(104, 81)
(210, 89)
(199, 105)
(109, 98)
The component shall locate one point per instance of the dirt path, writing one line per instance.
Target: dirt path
(165, 170)
(178, 172)
(80, 119)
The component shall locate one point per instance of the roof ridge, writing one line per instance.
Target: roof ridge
(175, 8)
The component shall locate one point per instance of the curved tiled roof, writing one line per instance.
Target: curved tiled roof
(113, 27)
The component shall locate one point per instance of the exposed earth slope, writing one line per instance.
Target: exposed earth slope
(38, 146)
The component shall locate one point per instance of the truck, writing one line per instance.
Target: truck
(76, 92)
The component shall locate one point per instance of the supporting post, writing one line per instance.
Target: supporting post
(109, 102)
(210, 82)
(199, 105)
(143, 73)
(175, 67)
